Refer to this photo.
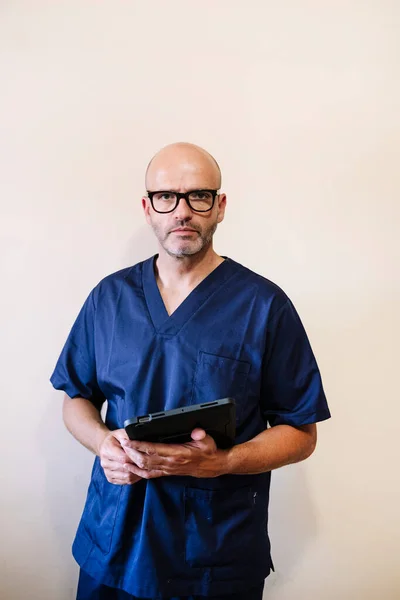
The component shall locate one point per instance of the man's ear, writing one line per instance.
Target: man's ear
(221, 207)
(146, 207)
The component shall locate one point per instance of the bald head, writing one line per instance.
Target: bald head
(181, 167)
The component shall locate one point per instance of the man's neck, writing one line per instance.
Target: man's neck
(185, 272)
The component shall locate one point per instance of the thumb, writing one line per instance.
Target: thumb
(120, 434)
(198, 435)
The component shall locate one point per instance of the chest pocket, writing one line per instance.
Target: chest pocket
(219, 377)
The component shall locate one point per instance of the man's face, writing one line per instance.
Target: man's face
(183, 232)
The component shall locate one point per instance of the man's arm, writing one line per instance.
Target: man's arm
(84, 421)
(273, 448)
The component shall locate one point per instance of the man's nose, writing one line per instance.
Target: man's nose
(183, 211)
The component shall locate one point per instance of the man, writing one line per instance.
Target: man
(183, 327)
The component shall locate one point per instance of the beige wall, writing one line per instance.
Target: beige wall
(299, 101)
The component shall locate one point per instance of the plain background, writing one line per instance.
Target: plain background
(299, 102)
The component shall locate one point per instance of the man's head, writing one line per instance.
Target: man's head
(184, 168)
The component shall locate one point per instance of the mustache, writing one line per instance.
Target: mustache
(183, 225)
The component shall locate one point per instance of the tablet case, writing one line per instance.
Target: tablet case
(217, 418)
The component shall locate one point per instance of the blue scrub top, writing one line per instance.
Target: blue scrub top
(237, 334)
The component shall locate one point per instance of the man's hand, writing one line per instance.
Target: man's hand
(199, 458)
(113, 459)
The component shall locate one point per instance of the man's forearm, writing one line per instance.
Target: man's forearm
(273, 448)
(83, 420)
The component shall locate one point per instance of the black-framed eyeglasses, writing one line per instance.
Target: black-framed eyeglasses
(198, 200)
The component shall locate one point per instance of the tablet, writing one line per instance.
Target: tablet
(217, 418)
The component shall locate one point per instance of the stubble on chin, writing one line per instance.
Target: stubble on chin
(185, 248)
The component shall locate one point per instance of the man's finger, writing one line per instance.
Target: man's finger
(144, 461)
(120, 434)
(205, 444)
(122, 478)
(180, 455)
(198, 434)
(137, 458)
(143, 472)
(113, 451)
(113, 465)
(153, 448)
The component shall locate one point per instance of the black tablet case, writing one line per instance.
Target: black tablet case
(217, 418)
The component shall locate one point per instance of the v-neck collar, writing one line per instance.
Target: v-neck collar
(171, 324)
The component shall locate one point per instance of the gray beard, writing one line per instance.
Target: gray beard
(205, 238)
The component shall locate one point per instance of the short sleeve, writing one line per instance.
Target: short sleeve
(75, 371)
(292, 390)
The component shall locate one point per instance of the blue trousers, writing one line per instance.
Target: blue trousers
(89, 589)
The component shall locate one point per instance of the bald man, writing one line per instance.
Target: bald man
(184, 327)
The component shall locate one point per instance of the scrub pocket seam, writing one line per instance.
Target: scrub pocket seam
(237, 366)
(93, 531)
